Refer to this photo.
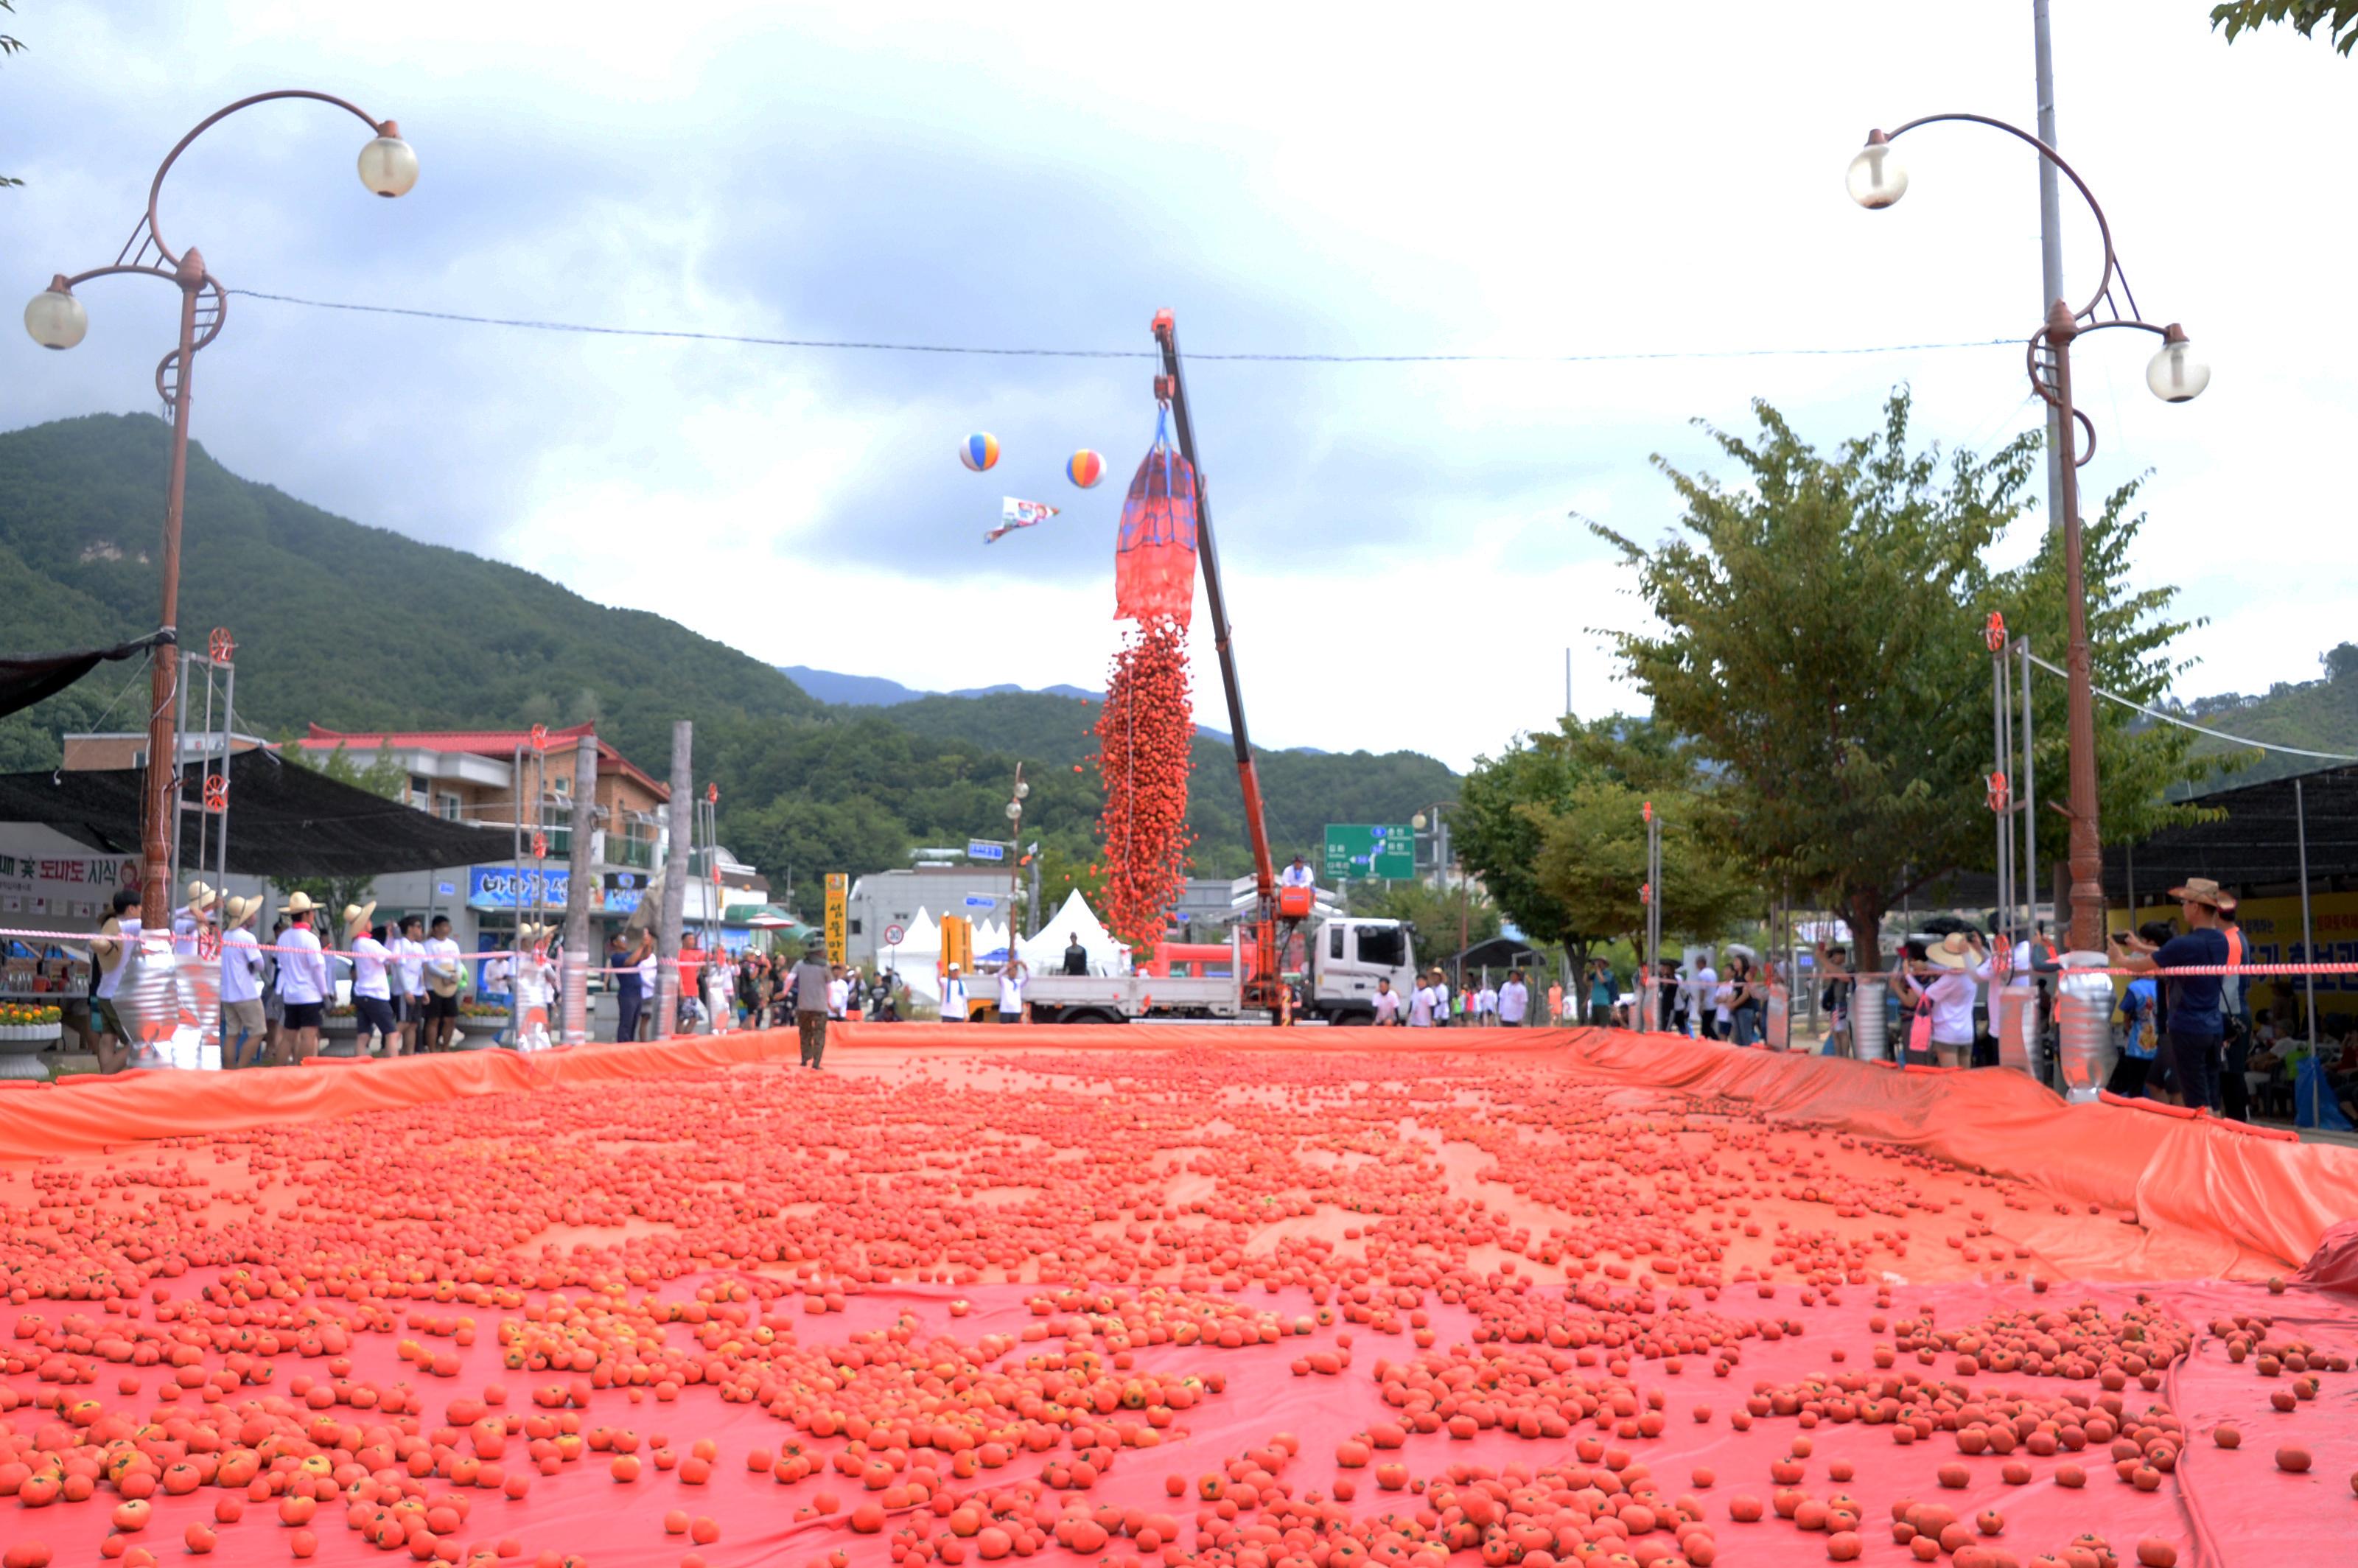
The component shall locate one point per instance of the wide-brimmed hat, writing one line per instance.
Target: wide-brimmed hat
(238, 911)
(298, 902)
(201, 897)
(2204, 891)
(359, 913)
(1950, 952)
(532, 932)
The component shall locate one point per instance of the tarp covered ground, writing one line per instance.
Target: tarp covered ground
(1525, 1190)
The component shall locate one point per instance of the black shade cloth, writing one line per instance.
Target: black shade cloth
(2255, 843)
(284, 821)
(24, 682)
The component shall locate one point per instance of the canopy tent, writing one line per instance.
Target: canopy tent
(1045, 952)
(27, 680)
(2255, 841)
(923, 938)
(284, 821)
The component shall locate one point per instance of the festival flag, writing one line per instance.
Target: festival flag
(1014, 514)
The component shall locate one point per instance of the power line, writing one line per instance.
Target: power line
(682, 334)
(2190, 724)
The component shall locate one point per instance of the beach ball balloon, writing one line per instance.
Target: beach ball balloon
(1085, 468)
(979, 450)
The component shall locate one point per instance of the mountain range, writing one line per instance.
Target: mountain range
(805, 783)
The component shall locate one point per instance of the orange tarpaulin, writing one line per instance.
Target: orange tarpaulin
(2212, 1200)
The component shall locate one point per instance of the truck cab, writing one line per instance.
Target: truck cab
(1348, 957)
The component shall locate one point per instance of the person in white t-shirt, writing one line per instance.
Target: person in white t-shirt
(1440, 1000)
(1514, 1000)
(410, 980)
(371, 979)
(1485, 1005)
(1010, 991)
(445, 978)
(536, 988)
(1420, 1008)
(241, 985)
(839, 993)
(1702, 994)
(110, 954)
(303, 985)
(1296, 875)
(1388, 1005)
(953, 997)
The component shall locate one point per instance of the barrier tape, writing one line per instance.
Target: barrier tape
(66, 939)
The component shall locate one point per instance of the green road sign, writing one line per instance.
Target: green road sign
(1360, 852)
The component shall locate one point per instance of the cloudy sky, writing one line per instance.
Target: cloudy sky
(1527, 181)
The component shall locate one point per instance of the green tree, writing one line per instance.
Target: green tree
(9, 46)
(1820, 644)
(2340, 661)
(2340, 17)
(1555, 828)
(2129, 635)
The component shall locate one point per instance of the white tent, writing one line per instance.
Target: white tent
(1045, 953)
(923, 939)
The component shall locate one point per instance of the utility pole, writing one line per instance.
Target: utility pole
(581, 954)
(2050, 248)
(675, 893)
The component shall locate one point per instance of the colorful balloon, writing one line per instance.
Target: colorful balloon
(1085, 468)
(979, 450)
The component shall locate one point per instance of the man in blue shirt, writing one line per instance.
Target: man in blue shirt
(2191, 1047)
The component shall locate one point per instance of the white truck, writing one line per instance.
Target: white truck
(1346, 957)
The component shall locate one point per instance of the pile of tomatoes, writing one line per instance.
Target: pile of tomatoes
(1146, 734)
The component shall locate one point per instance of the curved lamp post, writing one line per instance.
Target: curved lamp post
(57, 320)
(1876, 179)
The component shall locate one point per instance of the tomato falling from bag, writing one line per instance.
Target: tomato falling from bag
(1146, 731)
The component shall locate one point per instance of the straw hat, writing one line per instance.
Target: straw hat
(298, 902)
(238, 911)
(530, 932)
(359, 913)
(1950, 952)
(2204, 891)
(201, 897)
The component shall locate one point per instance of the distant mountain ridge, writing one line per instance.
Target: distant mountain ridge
(875, 691)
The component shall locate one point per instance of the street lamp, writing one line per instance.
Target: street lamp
(1876, 178)
(1014, 855)
(56, 319)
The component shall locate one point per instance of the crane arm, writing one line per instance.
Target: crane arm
(1171, 386)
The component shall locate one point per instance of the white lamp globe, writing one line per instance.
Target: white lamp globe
(2176, 373)
(388, 165)
(55, 318)
(1876, 178)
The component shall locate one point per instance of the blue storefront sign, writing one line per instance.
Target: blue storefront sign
(623, 891)
(507, 887)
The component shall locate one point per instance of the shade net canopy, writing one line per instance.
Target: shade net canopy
(2254, 838)
(1226, 1295)
(285, 820)
(27, 679)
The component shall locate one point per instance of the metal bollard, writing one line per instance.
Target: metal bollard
(575, 1008)
(2084, 1007)
(1870, 1040)
(2016, 1026)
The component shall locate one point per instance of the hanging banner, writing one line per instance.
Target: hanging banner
(1154, 554)
(838, 885)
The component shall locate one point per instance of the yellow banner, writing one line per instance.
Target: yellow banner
(837, 886)
(2272, 931)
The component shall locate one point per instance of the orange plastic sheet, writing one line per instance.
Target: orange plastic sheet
(2213, 1199)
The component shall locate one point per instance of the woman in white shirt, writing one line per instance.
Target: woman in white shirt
(371, 979)
(302, 979)
(535, 986)
(1953, 964)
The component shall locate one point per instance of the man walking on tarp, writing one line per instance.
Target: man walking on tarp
(813, 983)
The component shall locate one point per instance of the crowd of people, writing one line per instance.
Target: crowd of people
(1436, 1004)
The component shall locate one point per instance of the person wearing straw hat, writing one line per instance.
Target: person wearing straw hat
(1942, 985)
(242, 1024)
(302, 979)
(2194, 1041)
(371, 979)
(203, 903)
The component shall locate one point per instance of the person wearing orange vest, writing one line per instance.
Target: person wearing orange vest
(2236, 1007)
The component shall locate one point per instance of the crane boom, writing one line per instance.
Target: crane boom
(1171, 386)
